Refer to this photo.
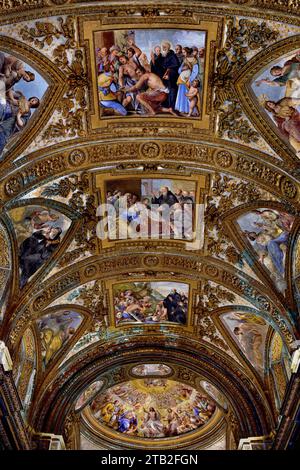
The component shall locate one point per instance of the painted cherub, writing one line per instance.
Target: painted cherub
(192, 95)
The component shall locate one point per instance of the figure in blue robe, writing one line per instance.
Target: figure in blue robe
(8, 123)
(182, 102)
(9, 118)
(126, 423)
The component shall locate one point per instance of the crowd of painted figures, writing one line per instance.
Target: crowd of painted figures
(15, 108)
(167, 82)
(132, 306)
(170, 410)
(162, 212)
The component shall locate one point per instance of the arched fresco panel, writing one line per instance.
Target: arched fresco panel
(249, 332)
(88, 394)
(214, 393)
(153, 407)
(21, 90)
(39, 232)
(278, 92)
(267, 231)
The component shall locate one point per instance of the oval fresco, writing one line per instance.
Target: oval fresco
(153, 408)
(151, 369)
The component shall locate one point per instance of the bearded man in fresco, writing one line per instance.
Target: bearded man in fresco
(165, 197)
(170, 65)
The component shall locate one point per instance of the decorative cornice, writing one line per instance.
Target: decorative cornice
(197, 155)
(107, 267)
(264, 8)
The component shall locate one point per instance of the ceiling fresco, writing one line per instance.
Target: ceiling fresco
(122, 52)
(153, 408)
(55, 330)
(214, 393)
(149, 218)
(153, 302)
(278, 92)
(268, 233)
(39, 232)
(21, 90)
(88, 394)
(249, 332)
(151, 369)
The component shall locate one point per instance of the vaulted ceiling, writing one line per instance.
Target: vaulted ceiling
(66, 290)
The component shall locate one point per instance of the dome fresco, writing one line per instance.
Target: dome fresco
(153, 408)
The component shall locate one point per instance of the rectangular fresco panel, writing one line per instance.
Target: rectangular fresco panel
(151, 208)
(150, 72)
(151, 302)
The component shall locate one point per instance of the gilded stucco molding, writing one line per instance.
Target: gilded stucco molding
(33, 173)
(241, 37)
(283, 10)
(14, 420)
(113, 267)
